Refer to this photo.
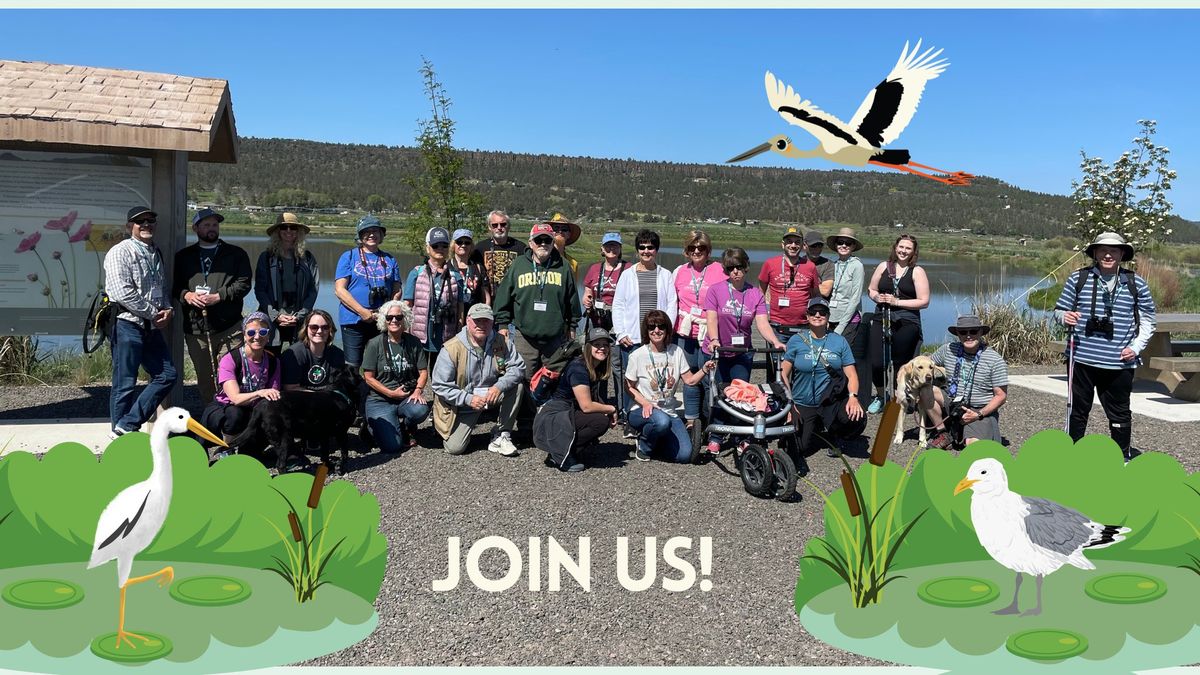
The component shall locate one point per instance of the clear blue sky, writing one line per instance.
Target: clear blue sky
(1025, 91)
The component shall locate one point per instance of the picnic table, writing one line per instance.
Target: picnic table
(1163, 359)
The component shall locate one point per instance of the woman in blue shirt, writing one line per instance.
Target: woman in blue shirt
(366, 278)
(819, 369)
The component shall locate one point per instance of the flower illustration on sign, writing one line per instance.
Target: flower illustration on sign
(29, 243)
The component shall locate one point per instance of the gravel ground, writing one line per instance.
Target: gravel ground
(746, 619)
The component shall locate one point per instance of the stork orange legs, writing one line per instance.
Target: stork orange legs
(957, 178)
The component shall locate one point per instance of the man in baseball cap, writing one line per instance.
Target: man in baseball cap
(815, 245)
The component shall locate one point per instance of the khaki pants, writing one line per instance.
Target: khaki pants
(205, 364)
(464, 422)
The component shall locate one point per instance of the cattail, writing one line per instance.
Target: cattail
(314, 495)
(851, 495)
(295, 525)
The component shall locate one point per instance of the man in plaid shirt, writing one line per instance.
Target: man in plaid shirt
(136, 280)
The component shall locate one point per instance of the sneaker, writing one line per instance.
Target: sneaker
(714, 447)
(833, 451)
(876, 406)
(941, 441)
(574, 468)
(220, 454)
(116, 433)
(629, 432)
(1130, 454)
(502, 444)
(641, 455)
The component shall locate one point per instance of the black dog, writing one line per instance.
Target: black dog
(314, 416)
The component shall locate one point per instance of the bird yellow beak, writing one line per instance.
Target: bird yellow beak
(198, 429)
(756, 150)
(963, 485)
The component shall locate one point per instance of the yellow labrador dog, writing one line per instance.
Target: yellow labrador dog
(914, 389)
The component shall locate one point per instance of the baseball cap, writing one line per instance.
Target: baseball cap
(611, 238)
(793, 231)
(205, 213)
(541, 228)
(812, 237)
(598, 334)
(437, 235)
(139, 211)
(818, 302)
(461, 233)
(480, 311)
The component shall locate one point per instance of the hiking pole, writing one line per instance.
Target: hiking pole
(212, 357)
(1070, 376)
(890, 372)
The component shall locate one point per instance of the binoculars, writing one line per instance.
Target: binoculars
(1099, 325)
(377, 296)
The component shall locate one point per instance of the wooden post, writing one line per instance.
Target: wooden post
(169, 201)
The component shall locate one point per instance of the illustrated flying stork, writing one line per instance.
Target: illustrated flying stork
(884, 113)
(133, 518)
(1029, 535)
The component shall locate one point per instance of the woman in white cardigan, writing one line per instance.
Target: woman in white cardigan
(643, 287)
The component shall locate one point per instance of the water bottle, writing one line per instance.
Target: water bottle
(760, 427)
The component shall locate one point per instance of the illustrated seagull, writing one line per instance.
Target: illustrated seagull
(133, 518)
(884, 113)
(1029, 535)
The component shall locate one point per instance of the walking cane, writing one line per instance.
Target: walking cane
(212, 357)
(1070, 376)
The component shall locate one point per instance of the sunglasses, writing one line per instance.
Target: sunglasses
(561, 229)
(497, 226)
(394, 318)
(543, 241)
(603, 345)
(438, 247)
(464, 242)
(697, 249)
(289, 228)
(317, 327)
(258, 332)
(372, 233)
(843, 242)
(146, 221)
(818, 312)
(647, 247)
(656, 327)
(969, 332)
(735, 268)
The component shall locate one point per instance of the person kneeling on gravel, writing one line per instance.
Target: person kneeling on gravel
(478, 372)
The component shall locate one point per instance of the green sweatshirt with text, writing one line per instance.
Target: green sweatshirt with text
(526, 286)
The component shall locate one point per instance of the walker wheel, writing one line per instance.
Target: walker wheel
(784, 484)
(758, 473)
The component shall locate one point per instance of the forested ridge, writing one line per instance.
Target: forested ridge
(282, 172)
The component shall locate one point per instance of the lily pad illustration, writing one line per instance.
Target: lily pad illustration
(210, 591)
(1046, 644)
(1125, 588)
(42, 593)
(958, 591)
(154, 647)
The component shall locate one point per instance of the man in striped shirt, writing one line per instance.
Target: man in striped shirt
(135, 279)
(1110, 315)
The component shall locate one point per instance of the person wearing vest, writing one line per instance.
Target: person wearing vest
(433, 291)
(211, 278)
(900, 287)
(478, 372)
(286, 280)
(1110, 317)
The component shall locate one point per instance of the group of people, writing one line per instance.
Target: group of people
(463, 335)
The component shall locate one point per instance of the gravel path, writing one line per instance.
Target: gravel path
(746, 619)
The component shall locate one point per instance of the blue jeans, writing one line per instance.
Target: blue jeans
(729, 368)
(390, 421)
(355, 337)
(619, 361)
(135, 347)
(693, 396)
(664, 431)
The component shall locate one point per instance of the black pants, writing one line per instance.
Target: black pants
(906, 335)
(589, 427)
(1114, 385)
(812, 427)
(225, 418)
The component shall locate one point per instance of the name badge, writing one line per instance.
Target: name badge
(599, 304)
(481, 392)
(785, 302)
(738, 340)
(202, 290)
(833, 304)
(539, 306)
(695, 311)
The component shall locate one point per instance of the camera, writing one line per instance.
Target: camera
(1099, 325)
(377, 296)
(408, 384)
(954, 421)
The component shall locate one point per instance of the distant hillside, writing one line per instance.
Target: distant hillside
(298, 173)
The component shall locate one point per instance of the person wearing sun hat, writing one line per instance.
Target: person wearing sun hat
(977, 385)
(366, 277)
(286, 280)
(1110, 317)
(565, 234)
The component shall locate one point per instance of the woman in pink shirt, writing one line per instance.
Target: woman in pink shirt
(692, 281)
(245, 376)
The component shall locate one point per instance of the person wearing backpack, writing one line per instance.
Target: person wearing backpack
(599, 288)
(1110, 317)
(245, 376)
(286, 279)
(576, 414)
(433, 290)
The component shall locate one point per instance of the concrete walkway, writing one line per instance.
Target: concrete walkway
(1148, 398)
(38, 436)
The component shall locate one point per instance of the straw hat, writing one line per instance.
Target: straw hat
(844, 233)
(287, 218)
(1109, 239)
(559, 220)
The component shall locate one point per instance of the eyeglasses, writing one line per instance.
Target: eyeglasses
(497, 226)
(257, 332)
(697, 249)
(818, 311)
(317, 327)
(647, 247)
(969, 332)
(654, 327)
(145, 221)
(602, 346)
(730, 269)
(843, 242)
(543, 241)
(438, 247)
(394, 318)
(562, 229)
(464, 242)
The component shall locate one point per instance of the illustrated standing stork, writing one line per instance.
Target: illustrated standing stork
(884, 113)
(133, 518)
(1029, 535)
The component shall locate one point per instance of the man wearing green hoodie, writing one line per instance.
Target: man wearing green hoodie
(539, 299)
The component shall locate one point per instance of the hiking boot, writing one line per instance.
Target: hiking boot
(629, 432)
(502, 445)
(876, 406)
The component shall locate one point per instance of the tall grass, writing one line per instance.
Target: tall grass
(1020, 336)
(1166, 287)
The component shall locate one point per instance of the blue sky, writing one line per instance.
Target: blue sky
(1025, 91)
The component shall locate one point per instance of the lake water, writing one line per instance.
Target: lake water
(954, 281)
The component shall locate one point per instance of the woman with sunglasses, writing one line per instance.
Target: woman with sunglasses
(474, 280)
(576, 415)
(286, 280)
(845, 298)
(432, 290)
(900, 288)
(655, 371)
(366, 278)
(309, 363)
(396, 368)
(977, 385)
(692, 280)
(646, 286)
(245, 376)
(818, 368)
(730, 310)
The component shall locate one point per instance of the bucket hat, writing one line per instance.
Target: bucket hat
(844, 233)
(366, 223)
(559, 221)
(287, 218)
(969, 322)
(1109, 239)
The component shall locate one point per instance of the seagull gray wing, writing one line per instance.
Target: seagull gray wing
(1056, 527)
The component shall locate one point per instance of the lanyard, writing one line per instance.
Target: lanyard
(791, 273)
(367, 270)
(616, 270)
(969, 381)
(252, 381)
(697, 282)
(738, 308)
(839, 273)
(437, 286)
(541, 278)
(817, 353)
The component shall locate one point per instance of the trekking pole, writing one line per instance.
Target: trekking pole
(1070, 376)
(212, 357)
(890, 372)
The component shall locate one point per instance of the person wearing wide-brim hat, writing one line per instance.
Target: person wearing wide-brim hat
(1110, 317)
(576, 416)
(845, 297)
(565, 234)
(286, 280)
(977, 385)
(366, 278)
